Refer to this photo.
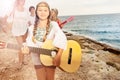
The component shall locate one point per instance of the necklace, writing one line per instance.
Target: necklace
(40, 33)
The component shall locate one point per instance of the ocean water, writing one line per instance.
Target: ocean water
(104, 28)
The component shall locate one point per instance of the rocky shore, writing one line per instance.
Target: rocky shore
(99, 62)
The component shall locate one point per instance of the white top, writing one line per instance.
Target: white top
(20, 22)
(32, 19)
(55, 34)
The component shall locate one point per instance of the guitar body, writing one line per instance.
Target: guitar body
(73, 64)
(70, 59)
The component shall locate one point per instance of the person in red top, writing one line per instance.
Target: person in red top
(54, 17)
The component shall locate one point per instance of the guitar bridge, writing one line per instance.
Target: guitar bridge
(53, 54)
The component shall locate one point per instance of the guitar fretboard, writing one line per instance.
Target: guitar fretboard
(32, 49)
(40, 50)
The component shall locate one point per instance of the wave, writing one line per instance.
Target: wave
(109, 40)
(112, 42)
(95, 31)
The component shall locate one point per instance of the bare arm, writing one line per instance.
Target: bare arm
(57, 58)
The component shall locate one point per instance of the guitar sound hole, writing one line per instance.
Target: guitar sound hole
(70, 56)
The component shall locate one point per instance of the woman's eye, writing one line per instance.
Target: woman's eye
(39, 10)
(45, 10)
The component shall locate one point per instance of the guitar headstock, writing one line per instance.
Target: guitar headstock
(67, 20)
(2, 45)
(70, 18)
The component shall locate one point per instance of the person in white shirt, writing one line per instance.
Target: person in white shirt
(44, 30)
(32, 15)
(19, 19)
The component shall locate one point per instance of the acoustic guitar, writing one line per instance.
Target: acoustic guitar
(70, 59)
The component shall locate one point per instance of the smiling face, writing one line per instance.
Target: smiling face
(32, 10)
(43, 11)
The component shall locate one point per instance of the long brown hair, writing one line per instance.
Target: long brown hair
(41, 4)
(54, 17)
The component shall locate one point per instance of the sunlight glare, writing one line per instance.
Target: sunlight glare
(5, 7)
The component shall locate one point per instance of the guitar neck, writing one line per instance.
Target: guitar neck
(32, 49)
(64, 22)
(40, 50)
(67, 20)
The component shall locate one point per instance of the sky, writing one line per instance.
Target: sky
(70, 7)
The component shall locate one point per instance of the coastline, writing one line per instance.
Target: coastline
(99, 62)
(105, 46)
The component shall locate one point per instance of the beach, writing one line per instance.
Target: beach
(99, 62)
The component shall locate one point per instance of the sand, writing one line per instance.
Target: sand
(99, 62)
